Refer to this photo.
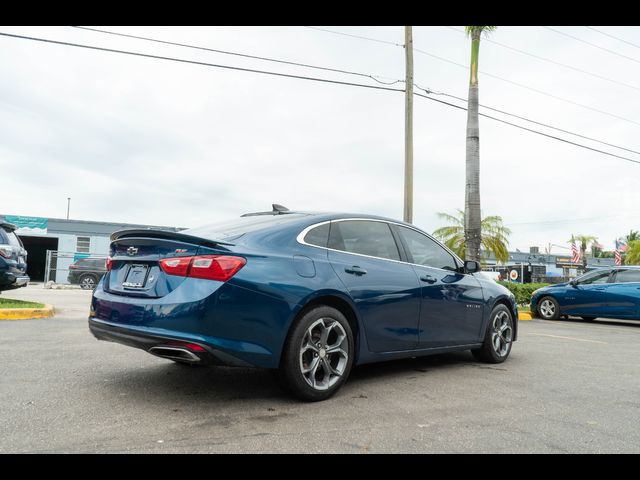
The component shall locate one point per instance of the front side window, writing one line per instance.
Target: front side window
(425, 251)
(594, 278)
(627, 276)
(364, 237)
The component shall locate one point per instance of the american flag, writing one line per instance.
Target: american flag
(575, 252)
(621, 246)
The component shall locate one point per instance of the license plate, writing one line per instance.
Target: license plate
(136, 276)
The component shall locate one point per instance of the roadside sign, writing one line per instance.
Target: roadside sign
(513, 275)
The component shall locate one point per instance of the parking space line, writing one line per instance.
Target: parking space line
(568, 338)
(595, 326)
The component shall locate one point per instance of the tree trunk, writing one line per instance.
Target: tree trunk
(472, 219)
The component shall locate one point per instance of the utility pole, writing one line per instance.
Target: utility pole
(68, 206)
(408, 126)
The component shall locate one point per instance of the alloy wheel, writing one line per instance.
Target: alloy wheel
(87, 283)
(502, 334)
(547, 309)
(324, 353)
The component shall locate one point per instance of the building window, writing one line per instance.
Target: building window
(83, 245)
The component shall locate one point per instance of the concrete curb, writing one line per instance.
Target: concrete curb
(525, 316)
(26, 313)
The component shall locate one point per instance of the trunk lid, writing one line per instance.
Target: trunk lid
(136, 254)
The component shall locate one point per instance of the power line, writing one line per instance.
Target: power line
(158, 57)
(541, 92)
(255, 57)
(193, 62)
(531, 121)
(520, 85)
(356, 36)
(593, 44)
(532, 130)
(612, 36)
(548, 60)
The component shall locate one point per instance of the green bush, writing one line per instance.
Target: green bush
(523, 291)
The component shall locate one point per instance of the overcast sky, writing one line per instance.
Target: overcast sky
(148, 141)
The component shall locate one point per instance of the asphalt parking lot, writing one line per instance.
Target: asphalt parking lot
(568, 387)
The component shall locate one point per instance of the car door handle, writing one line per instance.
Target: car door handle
(600, 288)
(355, 270)
(428, 279)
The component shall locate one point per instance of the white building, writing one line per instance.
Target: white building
(70, 239)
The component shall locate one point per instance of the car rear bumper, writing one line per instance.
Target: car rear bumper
(160, 344)
(10, 281)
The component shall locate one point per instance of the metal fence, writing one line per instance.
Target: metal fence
(83, 269)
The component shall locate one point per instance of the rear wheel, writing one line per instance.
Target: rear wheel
(318, 355)
(548, 308)
(88, 282)
(498, 338)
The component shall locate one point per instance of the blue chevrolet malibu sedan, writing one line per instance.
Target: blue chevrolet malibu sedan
(612, 292)
(307, 294)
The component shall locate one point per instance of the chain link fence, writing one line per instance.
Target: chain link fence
(83, 269)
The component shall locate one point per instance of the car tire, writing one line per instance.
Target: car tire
(548, 308)
(88, 281)
(498, 338)
(318, 355)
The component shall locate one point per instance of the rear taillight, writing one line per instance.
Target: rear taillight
(108, 264)
(6, 251)
(176, 266)
(208, 267)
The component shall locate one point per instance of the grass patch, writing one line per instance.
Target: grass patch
(9, 303)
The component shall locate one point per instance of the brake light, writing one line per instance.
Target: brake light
(176, 266)
(6, 252)
(108, 264)
(208, 267)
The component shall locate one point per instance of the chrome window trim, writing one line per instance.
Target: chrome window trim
(303, 233)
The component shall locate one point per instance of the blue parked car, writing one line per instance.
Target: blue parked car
(307, 294)
(13, 259)
(612, 292)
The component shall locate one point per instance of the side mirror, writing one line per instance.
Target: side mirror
(471, 266)
(573, 282)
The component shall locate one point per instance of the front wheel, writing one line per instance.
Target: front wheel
(318, 355)
(498, 338)
(548, 308)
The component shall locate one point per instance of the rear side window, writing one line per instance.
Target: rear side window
(318, 236)
(9, 238)
(627, 276)
(425, 251)
(364, 237)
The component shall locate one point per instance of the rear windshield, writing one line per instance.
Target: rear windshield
(232, 229)
(9, 238)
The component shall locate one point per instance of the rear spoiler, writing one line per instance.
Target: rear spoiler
(10, 227)
(166, 235)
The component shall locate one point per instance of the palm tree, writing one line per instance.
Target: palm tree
(494, 235)
(473, 219)
(584, 240)
(633, 253)
(633, 235)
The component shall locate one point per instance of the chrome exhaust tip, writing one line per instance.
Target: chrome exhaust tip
(174, 353)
